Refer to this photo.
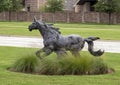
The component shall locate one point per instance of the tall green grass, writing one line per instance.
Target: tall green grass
(84, 65)
(26, 64)
(74, 66)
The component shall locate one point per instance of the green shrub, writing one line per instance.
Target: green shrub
(27, 64)
(73, 66)
(84, 65)
(99, 67)
(49, 67)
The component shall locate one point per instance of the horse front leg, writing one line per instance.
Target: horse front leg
(39, 51)
(46, 52)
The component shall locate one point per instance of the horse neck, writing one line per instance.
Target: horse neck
(42, 31)
(47, 32)
(50, 33)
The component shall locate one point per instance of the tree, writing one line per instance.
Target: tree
(4, 5)
(54, 6)
(15, 5)
(108, 6)
(10, 5)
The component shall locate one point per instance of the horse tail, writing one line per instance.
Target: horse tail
(90, 40)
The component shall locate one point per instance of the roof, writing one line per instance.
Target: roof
(81, 2)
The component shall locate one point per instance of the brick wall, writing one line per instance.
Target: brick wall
(87, 17)
(92, 17)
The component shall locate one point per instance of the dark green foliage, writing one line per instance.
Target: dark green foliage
(27, 64)
(4, 5)
(108, 6)
(15, 5)
(54, 6)
(10, 5)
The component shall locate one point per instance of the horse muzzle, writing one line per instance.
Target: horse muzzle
(30, 29)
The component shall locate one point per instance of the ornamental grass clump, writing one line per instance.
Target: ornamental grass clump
(69, 65)
(49, 67)
(73, 66)
(98, 66)
(26, 64)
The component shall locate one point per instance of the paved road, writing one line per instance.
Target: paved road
(108, 46)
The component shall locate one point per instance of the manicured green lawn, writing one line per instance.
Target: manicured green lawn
(107, 32)
(10, 54)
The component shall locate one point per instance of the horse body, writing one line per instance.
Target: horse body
(55, 42)
(70, 42)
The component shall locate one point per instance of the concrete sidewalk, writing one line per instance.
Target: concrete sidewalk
(108, 46)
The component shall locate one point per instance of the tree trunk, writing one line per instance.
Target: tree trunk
(53, 18)
(9, 16)
(109, 21)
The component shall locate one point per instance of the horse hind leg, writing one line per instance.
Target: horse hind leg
(61, 53)
(75, 53)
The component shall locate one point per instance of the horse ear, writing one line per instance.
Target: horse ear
(35, 19)
(40, 19)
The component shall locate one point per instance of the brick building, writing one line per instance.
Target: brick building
(34, 5)
(69, 5)
(85, 5)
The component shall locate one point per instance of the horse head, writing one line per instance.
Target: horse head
(36, 24)
(39, 24)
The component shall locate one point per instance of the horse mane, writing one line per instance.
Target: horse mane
(56, 29)
(50, 26)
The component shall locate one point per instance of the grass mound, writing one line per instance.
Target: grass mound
(73, 66)
(26, 64)
(62, 66)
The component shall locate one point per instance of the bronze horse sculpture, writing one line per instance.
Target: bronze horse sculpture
(55, 42)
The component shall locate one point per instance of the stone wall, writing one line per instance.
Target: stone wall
(86, 17)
